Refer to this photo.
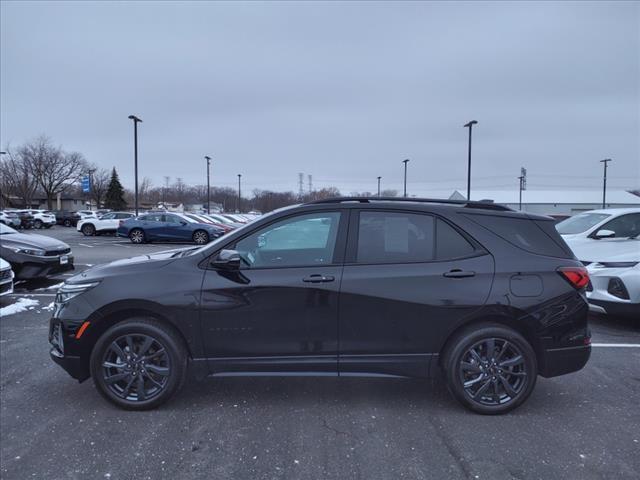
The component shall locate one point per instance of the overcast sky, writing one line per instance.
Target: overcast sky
(341, 91)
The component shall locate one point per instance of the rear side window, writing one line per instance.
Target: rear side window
(523, 233)
(395, 237)
(450, 243)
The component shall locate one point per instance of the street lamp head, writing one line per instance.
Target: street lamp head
(471, 123)
(207, 158)
(239, 175)
(3, 153)
(605, 160)
(379, 178)
(134, 118)
(405, 161)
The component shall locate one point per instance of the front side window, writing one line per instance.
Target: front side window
(395, 237)
(152, 218)
(624, 226)
(172, 219)
(303, 240)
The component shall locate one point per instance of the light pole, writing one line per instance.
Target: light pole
(604, 182)
(239, 197)
(136, 120)
(208, 159)
(379, 185)
(523, 183)
(405, 176)
(470, 126)
(91, 170)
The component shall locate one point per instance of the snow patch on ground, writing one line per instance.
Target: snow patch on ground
(49, 307)
(23, 304)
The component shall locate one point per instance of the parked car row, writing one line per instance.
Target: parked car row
(607, 242)
(25, 219)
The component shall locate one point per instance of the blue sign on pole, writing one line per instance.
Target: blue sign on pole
(86, 184)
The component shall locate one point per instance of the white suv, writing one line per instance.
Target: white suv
(6, 278)
(42, 218)
(107, 223)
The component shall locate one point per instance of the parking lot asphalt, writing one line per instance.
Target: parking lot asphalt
(580, 426)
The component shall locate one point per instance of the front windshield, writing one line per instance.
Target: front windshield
(6, 230)
(580, 223)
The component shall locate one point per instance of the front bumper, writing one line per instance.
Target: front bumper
(621, 309)
(75, 366)
(30, 267)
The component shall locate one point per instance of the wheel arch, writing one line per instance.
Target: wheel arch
(504, 320)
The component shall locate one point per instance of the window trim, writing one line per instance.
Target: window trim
(338, 252)
(354, 232)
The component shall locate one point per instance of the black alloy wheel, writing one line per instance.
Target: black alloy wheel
(136, 367)
(67, 223)
(139, 364)
(490, 369)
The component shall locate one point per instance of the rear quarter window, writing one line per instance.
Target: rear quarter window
(525, 234)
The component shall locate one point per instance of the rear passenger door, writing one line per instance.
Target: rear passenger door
(409, 278)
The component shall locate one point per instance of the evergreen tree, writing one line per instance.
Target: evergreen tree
(115, 193)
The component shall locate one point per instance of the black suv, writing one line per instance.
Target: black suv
(490, 297)
(67, 218)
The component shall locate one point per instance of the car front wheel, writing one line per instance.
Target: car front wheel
(139, 364)
(200, 237)
(490, 369)
(136, 236)
(37, 224)
(88, 230)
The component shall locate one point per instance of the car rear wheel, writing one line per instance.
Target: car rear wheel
(137, 235)
(139, 364)
(200, 237)
(67, 223)
(37, 224)
(88, 230)
(490, 369)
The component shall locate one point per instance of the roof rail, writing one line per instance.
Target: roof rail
(463, 203)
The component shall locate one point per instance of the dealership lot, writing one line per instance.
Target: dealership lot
(583, 425)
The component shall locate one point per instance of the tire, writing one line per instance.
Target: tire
(37, 224)
(137, 236)
(67, 222)
(116, 374)
(200, 237)
(487, 383)
(88, 229)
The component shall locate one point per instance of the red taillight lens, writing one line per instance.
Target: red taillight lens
(578, 277)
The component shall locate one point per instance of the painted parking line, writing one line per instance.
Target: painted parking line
(617, 345)
(85, 245)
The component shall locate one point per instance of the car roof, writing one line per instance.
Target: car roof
(613, 211)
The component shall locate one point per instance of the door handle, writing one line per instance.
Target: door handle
(317, 278)
(457, 273)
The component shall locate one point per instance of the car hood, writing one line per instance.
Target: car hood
(589, 250)
(129, 265)
(32, 240)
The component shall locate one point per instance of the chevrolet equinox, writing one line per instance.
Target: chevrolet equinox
(488, 296)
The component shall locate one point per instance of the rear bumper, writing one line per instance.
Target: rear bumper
(559, 361)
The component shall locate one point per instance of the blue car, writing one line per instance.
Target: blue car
(167, 227)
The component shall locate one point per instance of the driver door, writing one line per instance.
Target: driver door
(279, 311)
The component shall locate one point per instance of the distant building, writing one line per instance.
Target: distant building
(555, 202)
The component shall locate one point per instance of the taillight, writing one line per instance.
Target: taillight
(578, 277)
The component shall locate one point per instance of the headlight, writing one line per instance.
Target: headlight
(28, 251)
(70, 290)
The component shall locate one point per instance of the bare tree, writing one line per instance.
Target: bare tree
(99, 184)
(17, 179)
(54, 169)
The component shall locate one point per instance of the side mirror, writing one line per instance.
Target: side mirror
(227, 260)
(183, 223)
(604, 234)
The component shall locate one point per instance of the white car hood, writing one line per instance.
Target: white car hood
(589, 250)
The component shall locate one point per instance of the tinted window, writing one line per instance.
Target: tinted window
(523, 233)
(296, 241)
(390, 237)
(123, 215)
(173, 219)
(580, 223)
(624, 226)
(450, 243)
(152, 218)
